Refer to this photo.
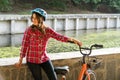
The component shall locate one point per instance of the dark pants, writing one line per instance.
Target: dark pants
(47, 67)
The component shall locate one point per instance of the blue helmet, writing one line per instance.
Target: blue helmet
(41, 12)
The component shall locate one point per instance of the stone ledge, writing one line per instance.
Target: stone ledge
(63, 55)
(66, 55)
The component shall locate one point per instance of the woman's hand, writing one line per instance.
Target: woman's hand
(72, 40)
(77, 42)
(19, 63)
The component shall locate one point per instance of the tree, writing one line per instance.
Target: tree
(5, 5)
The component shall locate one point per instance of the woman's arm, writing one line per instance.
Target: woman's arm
(63, 38)
(25, 43)
(24, 47)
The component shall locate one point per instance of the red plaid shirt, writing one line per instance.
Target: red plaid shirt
(34, 44)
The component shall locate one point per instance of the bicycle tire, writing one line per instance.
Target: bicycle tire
(92, 75)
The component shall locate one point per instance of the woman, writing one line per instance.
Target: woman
(34, 45)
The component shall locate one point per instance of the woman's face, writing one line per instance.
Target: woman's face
(37, 20)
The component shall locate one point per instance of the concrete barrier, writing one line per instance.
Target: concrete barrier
(14, 24)
(109, 70)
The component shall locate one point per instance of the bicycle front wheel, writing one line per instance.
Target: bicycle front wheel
(90, 76)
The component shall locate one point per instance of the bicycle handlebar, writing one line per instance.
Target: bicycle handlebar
(90, 48)
(98, 46)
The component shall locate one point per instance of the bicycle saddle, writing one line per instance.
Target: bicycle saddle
(61, 70)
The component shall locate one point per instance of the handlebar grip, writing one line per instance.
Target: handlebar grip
(85, 48)
(98, 46)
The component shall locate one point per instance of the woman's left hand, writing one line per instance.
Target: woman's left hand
(75, 41)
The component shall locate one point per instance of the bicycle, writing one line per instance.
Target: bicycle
(86, 72)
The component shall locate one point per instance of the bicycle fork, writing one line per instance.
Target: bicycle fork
(83, 73)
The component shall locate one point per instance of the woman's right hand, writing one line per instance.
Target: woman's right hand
(19, 63)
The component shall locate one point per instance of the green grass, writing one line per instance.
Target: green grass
(108, 39)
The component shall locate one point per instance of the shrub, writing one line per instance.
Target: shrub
(5, 5)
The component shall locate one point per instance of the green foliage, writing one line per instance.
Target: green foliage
(5, 5)
(9, 52)
(61, 5)
(58, 5)
(50, 4)
(76, 2)
(96, 1)
(113, 4)
(92, 3)
(86, 1)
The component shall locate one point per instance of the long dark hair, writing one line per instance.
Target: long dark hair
(37, 27)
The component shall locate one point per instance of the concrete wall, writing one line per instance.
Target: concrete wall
(109, 69)
(12, 24)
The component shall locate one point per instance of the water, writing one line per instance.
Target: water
(16, 39)
(10, 40)
(79, 33)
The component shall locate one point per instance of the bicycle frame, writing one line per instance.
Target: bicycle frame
(83, 72)
(85, 69)
(85, 66)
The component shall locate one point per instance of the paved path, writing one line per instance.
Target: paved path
(65, 55)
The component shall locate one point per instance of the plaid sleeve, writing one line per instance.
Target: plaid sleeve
(57, 36)
(25, 43)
